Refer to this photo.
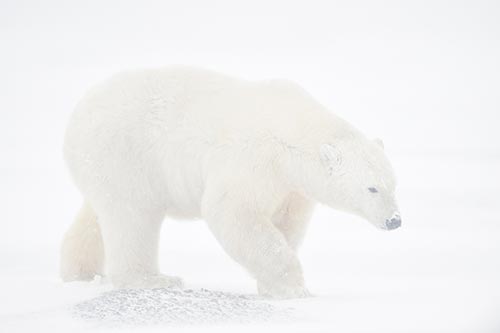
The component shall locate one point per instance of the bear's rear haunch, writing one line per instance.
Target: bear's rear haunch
(249, 158)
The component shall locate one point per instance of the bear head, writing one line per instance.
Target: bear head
(356, 177)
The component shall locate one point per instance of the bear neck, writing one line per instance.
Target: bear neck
(302, 160)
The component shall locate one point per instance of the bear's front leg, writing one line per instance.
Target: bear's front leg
(254, 242)
(292, 219)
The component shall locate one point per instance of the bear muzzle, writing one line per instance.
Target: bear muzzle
(394, 222)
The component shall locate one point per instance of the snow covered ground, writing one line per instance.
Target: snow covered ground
(439, 273)
(423, 75)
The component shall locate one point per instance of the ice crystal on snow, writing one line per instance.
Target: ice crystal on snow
(173, 306)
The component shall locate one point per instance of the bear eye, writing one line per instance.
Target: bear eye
(372, 189)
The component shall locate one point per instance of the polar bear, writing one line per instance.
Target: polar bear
(250, 158)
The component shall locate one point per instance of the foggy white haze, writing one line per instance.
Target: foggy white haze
(422, 75)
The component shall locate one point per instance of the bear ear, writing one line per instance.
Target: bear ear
(331, 156)
(379, 142)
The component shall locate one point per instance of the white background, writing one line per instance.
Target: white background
(422, 75)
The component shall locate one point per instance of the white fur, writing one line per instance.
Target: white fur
(250, 158)
(82, 251)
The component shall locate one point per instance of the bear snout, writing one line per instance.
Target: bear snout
(394, 222)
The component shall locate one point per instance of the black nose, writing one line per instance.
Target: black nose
(393, 223)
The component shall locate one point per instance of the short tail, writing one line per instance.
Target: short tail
(82, 251)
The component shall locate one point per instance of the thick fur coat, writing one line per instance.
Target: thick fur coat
(249, 158)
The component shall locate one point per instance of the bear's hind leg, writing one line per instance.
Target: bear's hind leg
(82, 253)
(131, 242)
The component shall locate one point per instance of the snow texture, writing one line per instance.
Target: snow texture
(175, 306)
